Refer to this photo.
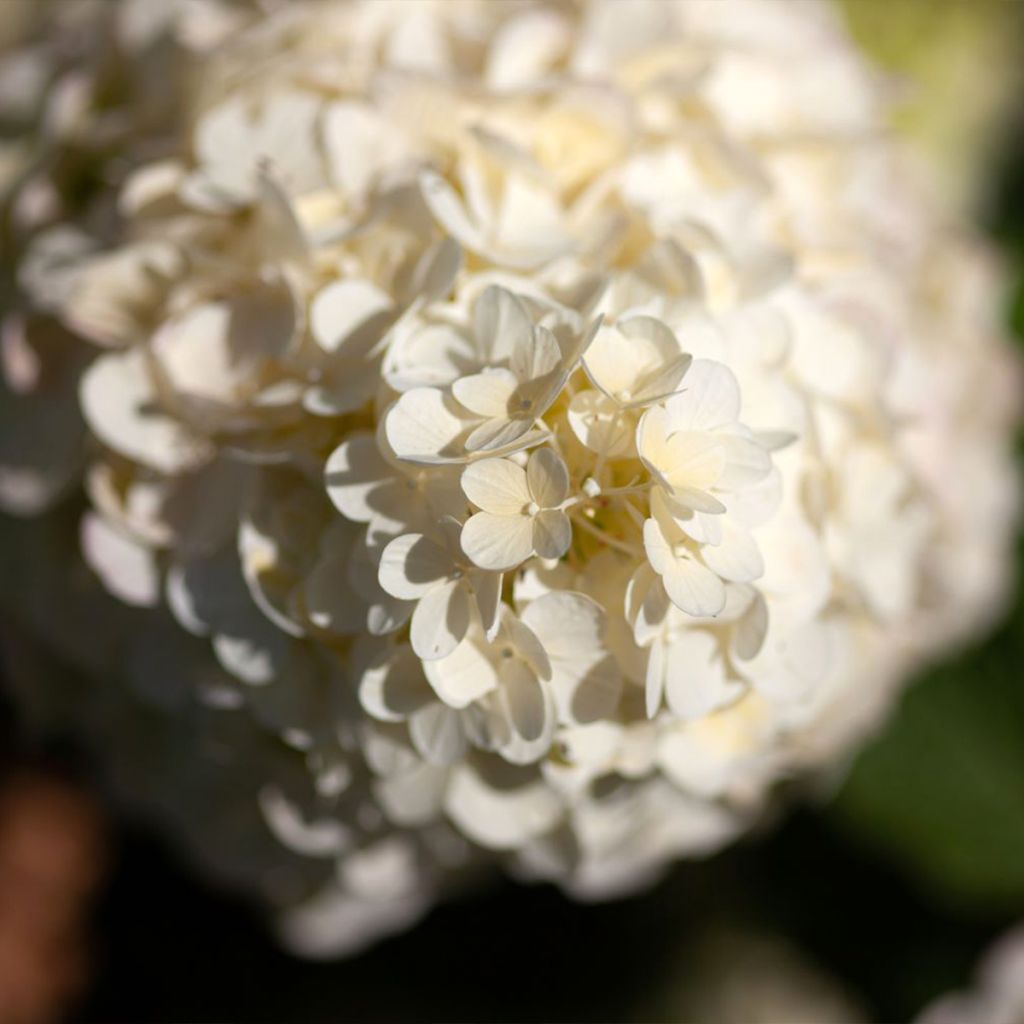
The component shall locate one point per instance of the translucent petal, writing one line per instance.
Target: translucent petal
(536, 356)
(498, 435)
(526, 644)
(746, 463)
(500, 324)
(121, 408)
(392, 687)
(710, 398)
(600, 424)
(552, 533)
(447, 207)
(353, 472)
(585, 680)
(696, 682)
(662, 383)
(488, 393)
(440, 620)
(497, 542)
(487, 589)
(465, 675)
(692, 460)
(654, 683)
(693, 588)
(524, 698)
(412, 565)
(497, 485)
(657, 547)
(737, 557)
(349, 315)
(437, 734)
(422, 427)
(547, 478)
(750, 631)
(360, 144)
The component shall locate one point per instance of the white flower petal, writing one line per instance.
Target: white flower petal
(437, 734)
(448, 208)
(349, 316)
(500, 818)
(121, 408)
(465, 675)
(422, 427)
(693, 588)
(710, 398)
(552, 533)
(498, 543)
(585, 681)
(488, 393)
(440, 620)
(501, 324)
(412, 565)
(600, 424)
(547, 477)
(497, 485)
(522, 693)
(392, 687)
(127, 568)
(737, 558)
(696, 682)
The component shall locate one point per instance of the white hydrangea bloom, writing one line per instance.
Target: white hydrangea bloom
(526, 430)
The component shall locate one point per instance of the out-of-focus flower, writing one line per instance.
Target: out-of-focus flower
(523, 432)
(740, 976)
(997, 996)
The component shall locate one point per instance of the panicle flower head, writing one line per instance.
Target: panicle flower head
(535, 428)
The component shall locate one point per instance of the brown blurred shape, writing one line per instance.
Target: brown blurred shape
(52, 856)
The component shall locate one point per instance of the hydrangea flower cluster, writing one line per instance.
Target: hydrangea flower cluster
(531, 430)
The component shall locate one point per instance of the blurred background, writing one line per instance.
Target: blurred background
(866, 903)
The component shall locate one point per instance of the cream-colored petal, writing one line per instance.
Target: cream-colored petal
(121, 408)
(497, 485)
(465, 675)
(737, 558)
(349, 316)
(536, 355)
(505, 817)
(412, 565)
(502, 435)
(501, 324)
(547, 478)
(437, 734)
(422, 426)
(127, 568)
(450, 212)
(693, 588)
(552, 533)
(696, 681)
(488, 393)
(440, 620)
(710, 398)
(524, 698)
(392, 686)
(498, 543)
(585, 681)
(600, 424)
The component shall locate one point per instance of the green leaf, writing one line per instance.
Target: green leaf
(942, 789)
